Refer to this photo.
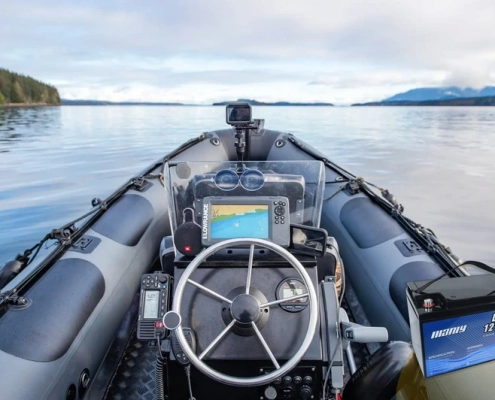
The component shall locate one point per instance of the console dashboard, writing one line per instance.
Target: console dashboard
(221, 201)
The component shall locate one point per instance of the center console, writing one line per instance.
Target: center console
(222, 201)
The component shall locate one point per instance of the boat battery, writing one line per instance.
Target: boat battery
(452, 322)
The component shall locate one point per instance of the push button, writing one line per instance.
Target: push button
(287, 392)
(279, 210)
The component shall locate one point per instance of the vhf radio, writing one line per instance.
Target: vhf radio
(153, 304)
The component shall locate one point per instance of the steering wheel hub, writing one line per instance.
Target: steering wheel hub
(245, 308)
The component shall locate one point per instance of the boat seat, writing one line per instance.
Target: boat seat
(378, 377)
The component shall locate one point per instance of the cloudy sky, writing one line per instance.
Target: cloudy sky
(199, 51)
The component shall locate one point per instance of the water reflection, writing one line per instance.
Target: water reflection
(437, 161)
(25, 123)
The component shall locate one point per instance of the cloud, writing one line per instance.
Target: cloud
(345, 48)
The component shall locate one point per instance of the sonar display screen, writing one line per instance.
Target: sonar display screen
(229, 221)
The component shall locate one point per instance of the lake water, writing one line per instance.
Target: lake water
(439, 162)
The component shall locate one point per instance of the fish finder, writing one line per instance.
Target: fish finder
(231, 217)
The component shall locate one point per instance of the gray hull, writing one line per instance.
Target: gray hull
(78, 305)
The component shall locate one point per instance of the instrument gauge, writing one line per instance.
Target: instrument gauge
(291, 287)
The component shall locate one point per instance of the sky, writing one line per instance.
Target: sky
(201, 51)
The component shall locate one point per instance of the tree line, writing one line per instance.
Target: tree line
(16, 88)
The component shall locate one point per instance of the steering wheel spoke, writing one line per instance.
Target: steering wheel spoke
(265, 345)
(217, 340)
(209, 291)
(286, 300)
(250, 269)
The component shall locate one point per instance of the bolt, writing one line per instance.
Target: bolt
(312, 369)
(261, 397)
(85, 380)
(23, 301)
(261, 369)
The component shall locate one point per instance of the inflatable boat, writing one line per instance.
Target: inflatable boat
(243, 265)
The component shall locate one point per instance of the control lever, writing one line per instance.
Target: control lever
(179, 354)
(352, 332)
(363, 334)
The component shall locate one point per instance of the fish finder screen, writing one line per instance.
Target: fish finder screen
(229, 221)
(151, 304)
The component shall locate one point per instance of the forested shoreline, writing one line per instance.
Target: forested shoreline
(20, 89)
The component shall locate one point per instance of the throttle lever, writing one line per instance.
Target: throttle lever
(363, 334)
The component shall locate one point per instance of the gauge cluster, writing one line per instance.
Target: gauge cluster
(291, 287)
(300, 182)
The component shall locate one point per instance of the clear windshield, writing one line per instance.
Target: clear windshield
(188, 183)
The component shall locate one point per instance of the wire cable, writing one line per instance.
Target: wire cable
(188, 375)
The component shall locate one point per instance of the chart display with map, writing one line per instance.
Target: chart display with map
(229, 221)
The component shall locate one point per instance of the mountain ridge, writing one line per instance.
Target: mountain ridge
(440, 93)
(460, 101)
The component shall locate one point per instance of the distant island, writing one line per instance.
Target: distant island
(16, 89)
(66, 102)
(441, 96)
(464, 101)
(278, 103)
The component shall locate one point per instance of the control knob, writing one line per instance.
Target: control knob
(270, 393)
(305, 392)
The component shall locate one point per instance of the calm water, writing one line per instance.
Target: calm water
(439, 162)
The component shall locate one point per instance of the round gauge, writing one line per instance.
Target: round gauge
(291, 287)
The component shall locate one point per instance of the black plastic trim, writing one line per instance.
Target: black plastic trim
(127, 220)
(409, 247)
(413, 271)
(86, 244)
(368, 224)
(62, 301)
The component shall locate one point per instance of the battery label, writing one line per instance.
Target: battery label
(460, 342)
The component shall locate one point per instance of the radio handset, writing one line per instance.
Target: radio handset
(153, 304)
